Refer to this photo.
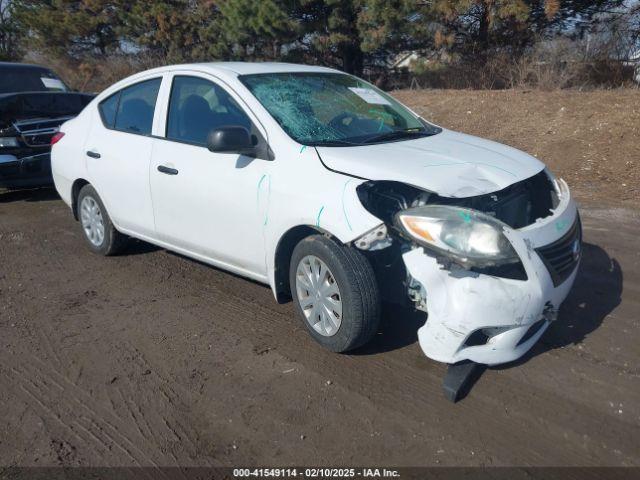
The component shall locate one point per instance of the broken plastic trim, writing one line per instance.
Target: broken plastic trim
(375, 239)
(417, 294)
(518, 205)
(459, 379)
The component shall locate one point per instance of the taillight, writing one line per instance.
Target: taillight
(57, 137)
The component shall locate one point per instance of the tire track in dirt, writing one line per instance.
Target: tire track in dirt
(98, 424)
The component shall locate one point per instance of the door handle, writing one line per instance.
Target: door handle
(167, 170)
(93, 154)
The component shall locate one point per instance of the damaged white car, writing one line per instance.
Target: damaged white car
(334, 194)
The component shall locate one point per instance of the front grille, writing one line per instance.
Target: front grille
(562, 256)
(38, 133)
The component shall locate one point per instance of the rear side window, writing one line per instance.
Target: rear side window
(131, 109)
(108, 110)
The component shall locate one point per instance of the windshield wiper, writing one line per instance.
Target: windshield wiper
(333, 143)
(396, 135)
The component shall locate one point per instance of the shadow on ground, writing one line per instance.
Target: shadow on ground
(595, 294)
(398, 328)
(137, 247)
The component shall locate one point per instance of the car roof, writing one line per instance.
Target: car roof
(221, 69)
(248, 68)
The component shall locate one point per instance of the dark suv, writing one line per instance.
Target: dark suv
(34, 102)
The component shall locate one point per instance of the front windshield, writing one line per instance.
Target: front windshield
(318, 108)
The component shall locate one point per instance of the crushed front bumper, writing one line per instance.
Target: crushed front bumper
(493, 320)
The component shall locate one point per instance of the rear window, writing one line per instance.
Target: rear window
(131, 109)
(16, 79)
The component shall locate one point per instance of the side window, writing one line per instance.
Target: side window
(198, 106)
(108, 110)
(131, 109)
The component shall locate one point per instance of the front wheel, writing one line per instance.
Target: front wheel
(335, 292)
(99, 232)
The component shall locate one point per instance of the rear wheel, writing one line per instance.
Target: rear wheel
(335, 292)
(97, 228)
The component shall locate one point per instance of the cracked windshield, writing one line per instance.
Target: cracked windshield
(334, 109)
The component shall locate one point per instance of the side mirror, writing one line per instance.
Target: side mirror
(232, 139)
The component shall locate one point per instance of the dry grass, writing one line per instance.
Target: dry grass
(498, 72)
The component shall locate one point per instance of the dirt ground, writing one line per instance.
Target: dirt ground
(149, 358)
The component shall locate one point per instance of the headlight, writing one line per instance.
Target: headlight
(8, 142)
(468, 237)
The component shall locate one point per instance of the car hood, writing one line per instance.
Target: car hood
(450, 164)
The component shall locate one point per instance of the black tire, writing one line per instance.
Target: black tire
(358, 291)
(113, 241)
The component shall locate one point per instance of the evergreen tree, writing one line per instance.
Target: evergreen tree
(253, 30)
(74, 28)
(173, 30)
(348, 34)
(477, 27)
(10, 33)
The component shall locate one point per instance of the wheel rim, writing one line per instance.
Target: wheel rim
(319, 296)
(92, 221)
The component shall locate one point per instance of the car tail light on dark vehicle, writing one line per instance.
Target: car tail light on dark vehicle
(57, 137)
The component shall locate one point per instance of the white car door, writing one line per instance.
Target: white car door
(118, 151)
(211, 205)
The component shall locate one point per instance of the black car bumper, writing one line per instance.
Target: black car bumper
(29, 171)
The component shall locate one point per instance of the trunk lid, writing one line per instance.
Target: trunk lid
(41, 105)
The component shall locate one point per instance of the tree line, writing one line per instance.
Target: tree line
(352, 35)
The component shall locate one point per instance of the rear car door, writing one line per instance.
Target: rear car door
(209, 204)
(118, 151)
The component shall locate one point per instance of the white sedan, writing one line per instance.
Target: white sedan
(333, 193)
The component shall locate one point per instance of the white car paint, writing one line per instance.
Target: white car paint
(451, 164)
(231, 211)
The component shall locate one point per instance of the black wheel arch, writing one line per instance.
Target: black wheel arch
(284, 250)
(75, 192)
